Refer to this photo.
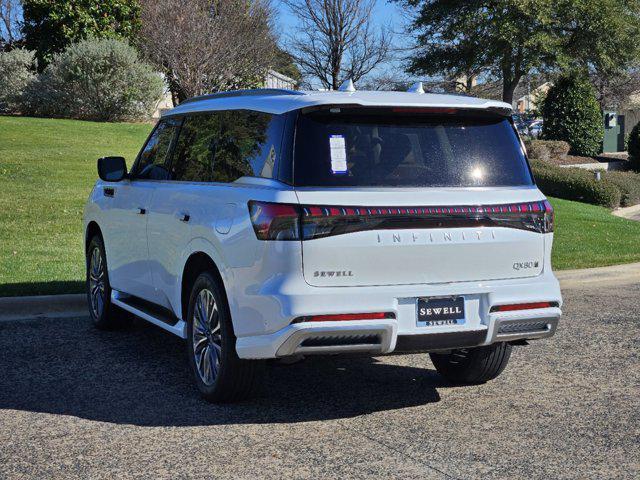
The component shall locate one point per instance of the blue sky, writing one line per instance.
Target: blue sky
(385, 13)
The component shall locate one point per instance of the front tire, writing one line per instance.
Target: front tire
(220, 375)
(104, 314)
(470, 366)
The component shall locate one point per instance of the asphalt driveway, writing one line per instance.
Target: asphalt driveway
(81, 403)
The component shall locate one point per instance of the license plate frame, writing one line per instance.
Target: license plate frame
(427, 317)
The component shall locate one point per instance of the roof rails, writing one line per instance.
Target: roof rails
(243, 93)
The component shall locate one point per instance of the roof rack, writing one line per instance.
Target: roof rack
(243, 93)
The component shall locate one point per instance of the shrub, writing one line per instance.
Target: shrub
(96, 80)
(575, 184)
(546, 149)
(571, 113)
(17, 69)
(633, 148)
(629, 185)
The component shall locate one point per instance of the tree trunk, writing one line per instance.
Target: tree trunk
(508, 89)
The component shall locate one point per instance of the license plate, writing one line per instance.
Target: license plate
(440, 311)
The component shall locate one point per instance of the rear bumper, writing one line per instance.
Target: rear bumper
(402, 334)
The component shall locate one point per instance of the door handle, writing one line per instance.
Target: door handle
(184, 217)
(108, 191)
(142, 211)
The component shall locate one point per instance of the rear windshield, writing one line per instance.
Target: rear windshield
(407, 148)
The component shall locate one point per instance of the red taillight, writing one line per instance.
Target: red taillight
(275, 221)
(523, 306)
(341, 317)
(431, 110)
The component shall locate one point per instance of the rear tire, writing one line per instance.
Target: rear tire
(472, 365)
(220, 375)
(103, 313)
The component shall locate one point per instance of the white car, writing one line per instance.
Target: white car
(279, 224)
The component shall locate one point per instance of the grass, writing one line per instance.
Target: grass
(47, 169)
(589, 236)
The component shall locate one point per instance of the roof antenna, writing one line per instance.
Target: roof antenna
(347, 86)
(416, 88)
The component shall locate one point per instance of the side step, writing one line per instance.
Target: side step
(150, 312)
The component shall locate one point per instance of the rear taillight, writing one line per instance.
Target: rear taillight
(275, 221)
(281, 221)
(523, 306)
(345, 317)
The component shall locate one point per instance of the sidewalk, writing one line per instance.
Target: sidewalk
(630, 213)
(601, 276)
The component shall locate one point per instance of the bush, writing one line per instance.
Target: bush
(96, 80)
(571, 113)
(546, 149)
(629, 185)
(17, 69)
(633, 147)
(575, 184)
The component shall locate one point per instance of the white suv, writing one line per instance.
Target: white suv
(278, 224)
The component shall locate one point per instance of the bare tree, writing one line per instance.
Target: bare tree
(207, 46)
(616, 91)
(336, 40)
(10, 12)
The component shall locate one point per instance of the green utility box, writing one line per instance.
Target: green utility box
(613, 132)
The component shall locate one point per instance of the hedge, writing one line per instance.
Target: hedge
(575, 184)
(546, 149)
(629, 185)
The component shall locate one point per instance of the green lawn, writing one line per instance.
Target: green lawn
(47, 168)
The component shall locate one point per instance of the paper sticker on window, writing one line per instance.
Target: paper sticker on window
(338, 151)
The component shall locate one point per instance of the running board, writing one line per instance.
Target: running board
(150, 312)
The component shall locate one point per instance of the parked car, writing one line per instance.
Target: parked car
(535, 128)
(279, 224)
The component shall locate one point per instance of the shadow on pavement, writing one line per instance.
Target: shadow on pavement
(140, 376)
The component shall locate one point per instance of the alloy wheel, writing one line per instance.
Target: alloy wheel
(207, 343)
(96, 282)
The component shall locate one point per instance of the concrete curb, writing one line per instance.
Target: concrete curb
(44, 306)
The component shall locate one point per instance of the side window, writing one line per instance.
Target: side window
(224, 146)
(153, 162)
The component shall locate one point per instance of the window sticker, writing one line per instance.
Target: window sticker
(338, 151)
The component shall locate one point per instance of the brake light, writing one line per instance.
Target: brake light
(343, 317)
(275, 221)
(523, 306)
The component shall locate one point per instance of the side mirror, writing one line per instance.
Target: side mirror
(112, 169)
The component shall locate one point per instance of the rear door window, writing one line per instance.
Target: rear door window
(399, 148)
(226, 145)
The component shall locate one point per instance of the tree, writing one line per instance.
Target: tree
(206, 46)
(336, 40)
(10, 12)
(571, 113)
(51, 25)
(509, 39)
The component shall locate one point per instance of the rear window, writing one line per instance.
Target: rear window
(407, 148)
